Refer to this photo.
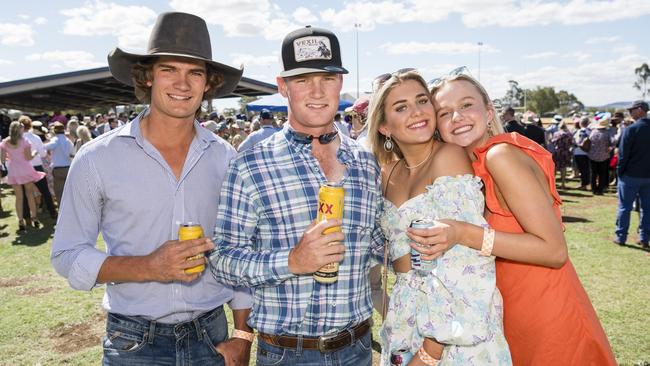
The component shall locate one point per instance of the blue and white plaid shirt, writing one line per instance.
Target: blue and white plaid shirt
(268, 200)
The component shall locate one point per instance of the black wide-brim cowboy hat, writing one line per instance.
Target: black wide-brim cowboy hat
(179, 35)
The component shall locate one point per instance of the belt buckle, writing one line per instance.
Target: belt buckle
(321, 342)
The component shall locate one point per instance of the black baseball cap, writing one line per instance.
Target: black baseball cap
(308, 50)
(638, 104)
(266, 114)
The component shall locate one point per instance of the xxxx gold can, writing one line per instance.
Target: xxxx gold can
(331, 197)
(191, 231)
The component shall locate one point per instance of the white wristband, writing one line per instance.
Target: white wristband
(237, 333)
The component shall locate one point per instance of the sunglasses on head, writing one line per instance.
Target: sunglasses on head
(462, 70)
(379, 81)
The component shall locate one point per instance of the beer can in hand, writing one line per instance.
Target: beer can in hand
(417, 264)
(191, 231)
(330, 206)
(400, 357)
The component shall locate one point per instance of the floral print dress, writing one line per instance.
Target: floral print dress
(457, 303)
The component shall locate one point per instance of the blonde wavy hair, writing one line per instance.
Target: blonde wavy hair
(377, 115)
(494, 126)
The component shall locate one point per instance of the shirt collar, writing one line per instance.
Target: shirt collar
(133, 130)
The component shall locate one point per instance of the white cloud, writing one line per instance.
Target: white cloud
(40, 20)
(447, 48)
(303, 15)
(594, 83)
(240, 18)
(252, 60)
(69, 59)
(130, 24)
(6, 62)
(598, 40)
(540, 55)
(479, 13)
(16, 34)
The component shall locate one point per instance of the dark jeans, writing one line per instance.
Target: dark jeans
(357, 354)
(629, 189)
(582, 161)
(133, 340)
(45, 193)
(599, 176)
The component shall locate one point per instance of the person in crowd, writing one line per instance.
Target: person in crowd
(581, 156)
(83, 136)
(634, 174)
(267, 237)
(44, 134)
(62, 152)
(599, 155)
(237, 136)
(510, 123)
(158, 312)
(21, 173)
(533, 131)
(37, 162)
(548, 318)
(550, 131)
(100, 123)
(343, 126)
(425, 178)
(562, 143)
(58, 117)
(358, 115)
(71, 130)
(266, 122)
(211, 126)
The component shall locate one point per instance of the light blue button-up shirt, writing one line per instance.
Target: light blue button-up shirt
(61, 149)
(121, 186)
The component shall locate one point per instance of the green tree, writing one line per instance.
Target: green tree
(514, 95)
(568, 102)
(542, 99)
(643, 77)
(243, 102)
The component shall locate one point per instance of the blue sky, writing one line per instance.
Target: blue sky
(589, 48)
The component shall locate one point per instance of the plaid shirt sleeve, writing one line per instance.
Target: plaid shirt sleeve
(234, 261)
(378, 240)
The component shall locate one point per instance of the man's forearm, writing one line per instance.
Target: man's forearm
(124, 269)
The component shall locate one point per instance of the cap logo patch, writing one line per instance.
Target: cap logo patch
(312, 48)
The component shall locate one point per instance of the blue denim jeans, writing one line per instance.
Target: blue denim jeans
(628, 189)
(357, 354)
(133, 340)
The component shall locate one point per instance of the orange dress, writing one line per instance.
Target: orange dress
(548, 318)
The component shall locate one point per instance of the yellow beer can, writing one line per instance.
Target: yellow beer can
(191, 231)
(331, 198)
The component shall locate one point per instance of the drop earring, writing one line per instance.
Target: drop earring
(388, 144)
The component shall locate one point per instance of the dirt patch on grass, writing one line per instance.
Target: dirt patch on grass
(70, 338)
(19, 281)
(35, 291)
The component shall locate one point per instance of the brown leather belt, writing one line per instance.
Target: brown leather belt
(326, 343)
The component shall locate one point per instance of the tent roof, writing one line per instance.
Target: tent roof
(277, 103)
(89, 89)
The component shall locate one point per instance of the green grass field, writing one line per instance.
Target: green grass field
(43, 322)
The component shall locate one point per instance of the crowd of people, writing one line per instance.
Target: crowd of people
(499, 287)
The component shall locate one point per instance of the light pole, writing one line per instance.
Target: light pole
(479, 60)
(356, 28)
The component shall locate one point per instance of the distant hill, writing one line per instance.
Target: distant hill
(616, 105)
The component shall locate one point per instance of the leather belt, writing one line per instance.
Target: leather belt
(325, 343)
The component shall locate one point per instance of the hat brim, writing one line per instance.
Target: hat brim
(313, 70)
(120, 63)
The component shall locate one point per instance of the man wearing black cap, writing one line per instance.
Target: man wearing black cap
(634, 174)
(136, 186)
(267, 236)
(266, 122)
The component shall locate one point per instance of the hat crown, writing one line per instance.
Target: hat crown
(308, 50)
(180, 33)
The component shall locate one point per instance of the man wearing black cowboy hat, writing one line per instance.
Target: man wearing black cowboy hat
(136, 185)
(267, 236)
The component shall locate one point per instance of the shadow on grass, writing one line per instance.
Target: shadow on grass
(635, 247)
(572, 193)
(572, 219)
(35, 237)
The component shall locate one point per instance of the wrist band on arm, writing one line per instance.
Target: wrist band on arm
(237, 333)
(488, 241)
(426, 358)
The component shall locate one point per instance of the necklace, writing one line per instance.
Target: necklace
(420, 163)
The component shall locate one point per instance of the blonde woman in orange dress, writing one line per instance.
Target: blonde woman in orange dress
(548, 317)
